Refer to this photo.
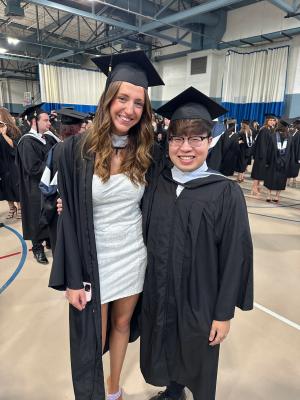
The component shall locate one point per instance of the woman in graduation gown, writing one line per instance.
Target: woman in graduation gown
(246, 141)
(230, 149)
(278, 160)
(9, 179)
(101, 179)
(196, 275)
(260, 152)
(294, 164)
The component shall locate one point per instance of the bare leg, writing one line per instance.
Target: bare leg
(122, 311)
(269, 196)
(103, 323)
(277, 195)
(255, 191)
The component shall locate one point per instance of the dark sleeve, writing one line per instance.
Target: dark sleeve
(235, 255)
(67, 262)
(31, 162)
(269, 150)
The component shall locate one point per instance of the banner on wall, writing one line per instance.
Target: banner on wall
(78, 88)
(254, 83)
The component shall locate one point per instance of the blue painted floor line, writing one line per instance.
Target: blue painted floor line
(22, 261)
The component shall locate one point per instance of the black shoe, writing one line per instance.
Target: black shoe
(48, 245)
(164, 396)
(40, 257)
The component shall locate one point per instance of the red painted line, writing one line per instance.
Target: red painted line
(11, 255)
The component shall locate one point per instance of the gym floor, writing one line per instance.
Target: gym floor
(259, 359)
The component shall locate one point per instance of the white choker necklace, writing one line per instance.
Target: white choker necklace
(119, 141)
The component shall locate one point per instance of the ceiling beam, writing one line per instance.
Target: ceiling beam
(191, 12)
(82, 13)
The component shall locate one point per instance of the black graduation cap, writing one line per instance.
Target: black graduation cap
(245, 121)
(270, 115)
(133, 67)
(32, 112)
(191, 104)
(71, 117)
(284, 123)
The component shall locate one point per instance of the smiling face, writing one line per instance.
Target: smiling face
(126, 108)
(191, 153)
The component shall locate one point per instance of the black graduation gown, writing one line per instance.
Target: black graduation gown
(230, 153)
(9, 179)
(30, 159)
(245, 154)
(277, 165)
(260, 154)
(214, 157)
(49, 213)
(294, 165)
(199, 268)
(75, 262)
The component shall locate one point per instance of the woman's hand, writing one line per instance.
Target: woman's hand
(77, 298)
(219, 331)
(59, 206)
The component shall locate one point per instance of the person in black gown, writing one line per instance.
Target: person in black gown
(196, 273)
(70, 124)
(294, 166)
(30, 158)
(260, 152)
(246, 141)
(230, 149)
(9, 180)
(118, 147)
(278, 160)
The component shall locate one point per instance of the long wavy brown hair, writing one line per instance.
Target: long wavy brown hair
(98, 140)
(12, 130)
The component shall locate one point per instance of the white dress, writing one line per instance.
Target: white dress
(121, 252)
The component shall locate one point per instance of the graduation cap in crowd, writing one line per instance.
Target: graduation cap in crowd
(71, 117)
(296, 121)
(284, 123)
(270, 116)
(133, 67)
(191, 104)
(245, 121)
(32, 112)
(91, 115)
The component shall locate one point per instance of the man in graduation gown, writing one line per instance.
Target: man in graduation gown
(199, 257)
(30, 158)
(70, 123)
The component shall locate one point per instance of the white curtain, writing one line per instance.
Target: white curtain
(70, 86)
(257, 77)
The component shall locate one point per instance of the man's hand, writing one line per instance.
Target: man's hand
(77, 298)
(59, 206)
(219, 331)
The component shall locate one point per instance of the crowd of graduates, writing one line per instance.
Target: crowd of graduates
(273, 151)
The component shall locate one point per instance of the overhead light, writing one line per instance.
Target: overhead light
(13, 41)
(2, 50)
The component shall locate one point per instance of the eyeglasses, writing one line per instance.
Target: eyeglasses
(2, 124)
(193, 141)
